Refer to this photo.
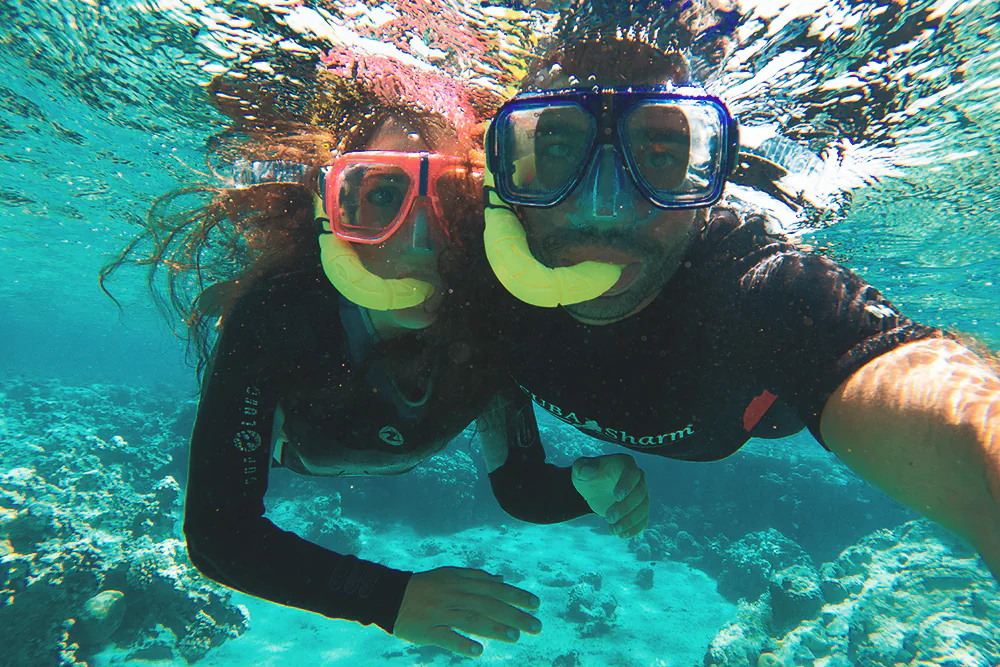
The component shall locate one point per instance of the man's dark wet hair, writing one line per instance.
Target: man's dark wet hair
(637, 42)
(614, 62)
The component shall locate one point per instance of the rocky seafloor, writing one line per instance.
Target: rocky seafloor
(825, 570)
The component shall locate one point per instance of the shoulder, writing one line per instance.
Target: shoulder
(283, 308)
(283, 294)
(733, 237)
(751, 249)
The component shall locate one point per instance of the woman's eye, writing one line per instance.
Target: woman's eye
(382, 197)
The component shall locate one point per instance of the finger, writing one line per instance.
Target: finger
(634, 531)
(634, 522)
(636, 497)
(612, 465)
(586, 468)
(503, 613)
(512, 595)
(475, 623)
(631, 476)
(450, 640)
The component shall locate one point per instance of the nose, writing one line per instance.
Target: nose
(607, 195)
(420, 232)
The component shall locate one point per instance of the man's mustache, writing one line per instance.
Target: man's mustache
(555, 242)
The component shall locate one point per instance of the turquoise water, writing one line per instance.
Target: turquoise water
(104, 110)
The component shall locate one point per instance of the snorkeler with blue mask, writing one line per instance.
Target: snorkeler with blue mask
(654, 314)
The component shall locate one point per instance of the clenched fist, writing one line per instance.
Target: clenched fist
(614, 487)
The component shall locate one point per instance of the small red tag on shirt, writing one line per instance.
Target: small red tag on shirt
(757, 409)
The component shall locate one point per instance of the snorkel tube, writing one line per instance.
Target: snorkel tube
(523, 275)
(343, 268)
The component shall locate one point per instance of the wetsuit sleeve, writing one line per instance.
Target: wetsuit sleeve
(527, 487)
(228, 538)
(813, 323)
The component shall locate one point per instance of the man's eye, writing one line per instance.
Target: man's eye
(660, 159)
(557, 149)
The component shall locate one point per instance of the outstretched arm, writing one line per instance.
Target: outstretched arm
(228, 537)
(922, 422)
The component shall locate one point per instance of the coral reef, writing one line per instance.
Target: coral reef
(913, 595)
(644, 578)
(88, 526)
(319, 519)
(100, 618)
(461, 497)
(167, 591)
(744, 568)
(592, 611)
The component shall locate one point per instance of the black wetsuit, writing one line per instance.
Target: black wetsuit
(749, 338)
(286, 343)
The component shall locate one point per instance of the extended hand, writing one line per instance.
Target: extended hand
(439, 604)
(614, 487)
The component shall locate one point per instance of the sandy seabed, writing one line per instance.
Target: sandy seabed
(668, 625)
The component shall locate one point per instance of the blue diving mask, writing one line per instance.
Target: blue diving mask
(675, 145)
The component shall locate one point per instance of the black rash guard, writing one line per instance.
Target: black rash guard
(285, 343)
(749, 338)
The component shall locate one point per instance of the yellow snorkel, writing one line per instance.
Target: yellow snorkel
(345, 271)
(523, 275)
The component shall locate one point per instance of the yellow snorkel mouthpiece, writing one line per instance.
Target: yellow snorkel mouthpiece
(523, 275)
(343, 268)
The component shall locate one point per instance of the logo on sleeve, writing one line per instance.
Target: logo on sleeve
(247, 440)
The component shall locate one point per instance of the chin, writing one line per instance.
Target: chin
(610, 309)
(413, 320)
(604, 309)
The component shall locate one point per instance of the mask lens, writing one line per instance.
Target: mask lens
(371, 199)
(660, 138)
(675, 148)
(545, 150)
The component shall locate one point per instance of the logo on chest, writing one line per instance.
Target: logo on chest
(592, 428)
(391, 436)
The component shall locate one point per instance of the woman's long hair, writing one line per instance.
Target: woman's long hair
(203, 247)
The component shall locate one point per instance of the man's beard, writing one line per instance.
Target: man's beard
(658, 265)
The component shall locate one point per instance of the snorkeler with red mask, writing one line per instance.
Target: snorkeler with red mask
(354, 340)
